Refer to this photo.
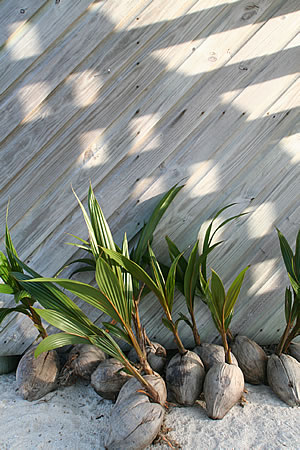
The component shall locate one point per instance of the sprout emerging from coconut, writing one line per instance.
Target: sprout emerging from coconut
(224, 382)
(284, 370)
(189, 370)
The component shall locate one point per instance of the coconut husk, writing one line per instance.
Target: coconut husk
(156, 356)
(135, 421)
(211, 354)
(132, 386)
(37, 377)
(284, 378)
(83, 360)
(294, 350)
(108, 378)
(184, 376)
(223, 388)
(251, 359)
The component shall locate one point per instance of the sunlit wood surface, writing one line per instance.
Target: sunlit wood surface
(136, 96)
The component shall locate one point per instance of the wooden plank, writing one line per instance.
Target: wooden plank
(14, 16)
(122, 132)
(67, 56)
(35, 37)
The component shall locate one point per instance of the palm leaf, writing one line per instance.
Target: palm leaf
(286, 252)
(6, 311)
(149, 228)
(296, 260)
(191, 277)
(64, 322)
(233, 293)
(217, 294)
(127, 278)
(58, 340)
(170, 283)
(117, 332)
(6, 289)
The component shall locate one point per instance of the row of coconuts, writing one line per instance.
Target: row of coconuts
(135, 420)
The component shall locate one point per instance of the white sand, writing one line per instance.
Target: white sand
(77, 418)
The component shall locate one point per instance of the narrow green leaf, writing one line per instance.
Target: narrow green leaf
(185, 319)
(6, 289)
(64, 322)
(58, 340)
(225, 222)
(109, 285)
(82, 247)
(159, 278)
(170, 283)
(86, 292)
(218, 294)
(296, 261)
(117, 332)
(93, 239)
(286, 252)
(108, 345)
(168, 324)
(149, 228)
(233, 292)
(88, 261)
(191, 277)
(21, 295)
(136, 271)
(182, 265)
(295, 285)
(127, 278)
(6, 311)
(10, 249)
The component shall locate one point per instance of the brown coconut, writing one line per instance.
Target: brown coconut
(223, 388)
(156, 356)
(284, 378)
(294, 350)
(84, 359)
(135, 421)
(184, 376)
(108, 378)
(37, 377)
(211, 354)
(251, 359)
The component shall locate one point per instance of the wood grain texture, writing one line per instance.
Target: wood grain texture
(136, 96)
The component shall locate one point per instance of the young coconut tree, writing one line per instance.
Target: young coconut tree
(100, 236)
(284, 370)
(131, 412)
(224, 382)
(29, 386)
(191, 280)
(185, 371)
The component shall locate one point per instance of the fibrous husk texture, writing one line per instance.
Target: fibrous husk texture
(211, 354)
(185, 375)
(108, 378)
(294, 350)
(84, 359)
(251, 359)
(156, 356)
(223, 388)
(284, 378)
(37, 376)
(135, 421)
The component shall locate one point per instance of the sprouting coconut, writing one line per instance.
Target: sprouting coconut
(135, 421)
(37, 377)
(223, 388)
(211, 354)
(156, 356)
(284, 370)
(184, 376)
(251, 359)
(294, 350)
(224, 382)
(108, 378)
(83, 360)
(284, 378)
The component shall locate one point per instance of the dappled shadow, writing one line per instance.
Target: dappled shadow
(145, 106)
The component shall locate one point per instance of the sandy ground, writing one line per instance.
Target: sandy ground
(77, 418)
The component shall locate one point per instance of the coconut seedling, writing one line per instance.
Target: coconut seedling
(284, 370)
(224, 382)
(100, 236)
(185, 371)
(191, 280)
(24, 305)
(146, 401)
